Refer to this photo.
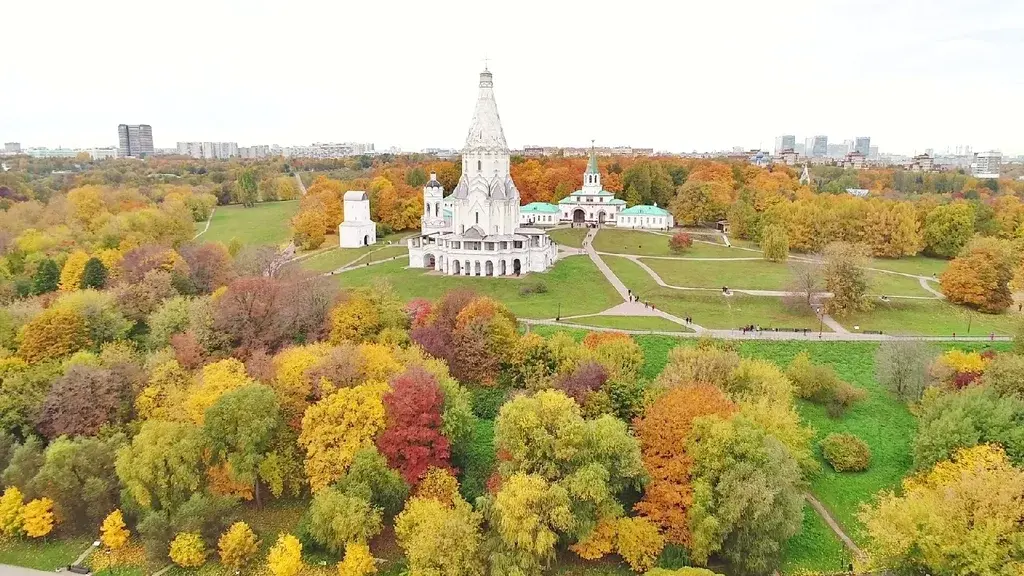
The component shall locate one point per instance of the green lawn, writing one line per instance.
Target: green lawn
(630, 323)
(929, 317)
(816, 548)
(641, 243)
(46, 555)
(571, 237)
(920, 265)
(710, 309)
(762, 275)
(264, 223)
(333, 258)
(574, 285)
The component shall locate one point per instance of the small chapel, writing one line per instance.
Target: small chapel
(357, 229)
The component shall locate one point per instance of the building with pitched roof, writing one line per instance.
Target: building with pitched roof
(481, 235)
(590, 204)
(357, 229)
(643, 216)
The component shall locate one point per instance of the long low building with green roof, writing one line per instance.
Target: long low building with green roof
(594, 205)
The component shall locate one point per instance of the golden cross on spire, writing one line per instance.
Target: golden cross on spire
(486, 60)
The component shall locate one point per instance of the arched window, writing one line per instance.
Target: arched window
(437, 210)
(477, 214)
(479, 165)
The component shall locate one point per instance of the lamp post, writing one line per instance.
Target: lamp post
(821, 321)
(558, 318)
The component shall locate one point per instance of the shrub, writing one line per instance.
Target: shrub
(680, 242)
(188, 550)
(846, 452)
(238, 546)
(11, 504)
(358, 560)
(821, 385)
(843, 396)
(113, 533)
(533, 288)
(285, 558)
(37, 518)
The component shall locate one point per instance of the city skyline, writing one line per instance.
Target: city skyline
(743, 77)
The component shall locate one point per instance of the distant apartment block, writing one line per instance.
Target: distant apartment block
(854, 160)
(838, 150)
(102, 153)
(257, 151)
(12, 148)
(789, 157)
(135, 140)
(922, 163)
(51, 152)
(208, 150)
(329, 150)
(817, 146)
(986, 164)
(862, 144)
(783, 143)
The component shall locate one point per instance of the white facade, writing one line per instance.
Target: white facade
(986, 165)
(357, 229)
(591, 204)
(644, 217)
(482, 236)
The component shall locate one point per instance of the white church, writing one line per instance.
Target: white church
(357, 229)
(476, 231)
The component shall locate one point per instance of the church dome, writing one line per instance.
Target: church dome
(485, 131)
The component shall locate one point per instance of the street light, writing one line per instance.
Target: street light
(821, 320)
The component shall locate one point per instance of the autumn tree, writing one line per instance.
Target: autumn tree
(952, 516)
(309, 227)
(162, 467)
(697, 202)
(680, 242)
(948, 228)
(980, 276)
(739, 472)
(369, 477)
(336, 518)
(240, 428)
(412, 440)
(11, 505)
(664, 431)
(892, 229)
(55, 333)
(902, 367)
(209, 266)
(647, 182)
(285, 557)
(775, 243)
(328, 193)
(37, 518)
(72, 271)
(238, 546)
(335, 428)
(846, 278)
(85, 399)
(440, 537)
(114, 533)
(78, 474)
(188, 550)
(949, 421)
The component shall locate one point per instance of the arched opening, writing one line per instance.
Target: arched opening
(502, 269)
(457, 267)
(366, 240)
(579, 216)
(516, 268)
(476, 268)
(489, 268)
(437, 210)
(429, 261)
(600, 217)
(479, 166)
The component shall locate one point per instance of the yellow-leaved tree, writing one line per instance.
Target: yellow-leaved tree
(285, 558)
(113, 533)
(335, 428)
(188, 550)
(11, 504)
(37, 517)
(962, 516)
(71, 273)
(309, 226)
(358, 561)
(238, 546)
(216, 379)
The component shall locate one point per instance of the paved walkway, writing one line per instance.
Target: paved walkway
(207, 227)
(596, 259)
(302, 187)
(9, 570)
(827, 517)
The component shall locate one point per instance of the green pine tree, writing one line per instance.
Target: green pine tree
(95, 274)
(47, 277)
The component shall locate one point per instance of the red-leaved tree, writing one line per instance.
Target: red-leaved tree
(587, 378)
(412, 440)
(680, 242)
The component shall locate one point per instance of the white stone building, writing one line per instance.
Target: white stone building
(645, 217)
(357, 229)
(591, 204)
(483, 236)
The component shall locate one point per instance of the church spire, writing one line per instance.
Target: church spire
(592, 164)
(485, 131)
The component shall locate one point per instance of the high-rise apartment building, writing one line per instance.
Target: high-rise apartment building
(784, 142)
(817, 147)
(862, 144)
(12, 147)
(135, 140)
(986, 164)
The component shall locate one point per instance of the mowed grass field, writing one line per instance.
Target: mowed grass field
(710, 309)
(630, 323)
(264, 223)
(930, 318)
(571, 237)
(639, 243)
(574, 285)
(333, 258)
(762, 275)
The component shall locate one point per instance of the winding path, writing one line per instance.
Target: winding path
(207, 227)
(827, 517)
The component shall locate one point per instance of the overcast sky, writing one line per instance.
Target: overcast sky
(674, 75)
